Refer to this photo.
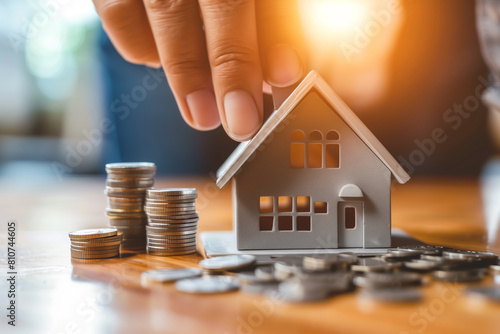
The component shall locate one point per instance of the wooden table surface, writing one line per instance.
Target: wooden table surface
(55, 296)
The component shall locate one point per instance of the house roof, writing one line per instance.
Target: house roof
(313, 80)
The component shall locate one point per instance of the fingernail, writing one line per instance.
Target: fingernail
(283, 65)
(242, 115)
(203, 109)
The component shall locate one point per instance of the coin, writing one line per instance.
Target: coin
(92, 233)
(392, 295)
(130, 182)
(169, 275)
(296, 290)
(162, 252)
(287, 266)
(265, 273)
(472, 275)
(373, 264)
(328, 261)
(374, 280)
(486, 257)
(227, 262)
(207, 284)
(174, 217)
(80, 255)
(421, 265)
(160, 193)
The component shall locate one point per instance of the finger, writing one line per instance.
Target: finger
(231, 36)
(281, 42)
(127, 26)
(177, 29)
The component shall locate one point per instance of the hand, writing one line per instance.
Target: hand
(215, 53)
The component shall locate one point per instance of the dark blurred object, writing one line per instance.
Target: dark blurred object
(437, 77)
(148, 124)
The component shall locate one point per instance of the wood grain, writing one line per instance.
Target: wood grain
(58, 297)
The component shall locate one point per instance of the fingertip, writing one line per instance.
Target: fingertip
(284, 66)
(203, 109)
(242, 115)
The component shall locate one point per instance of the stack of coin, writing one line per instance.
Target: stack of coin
(172, 221)
(92, 244)
(126, 187)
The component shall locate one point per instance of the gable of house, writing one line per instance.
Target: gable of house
(313, 82)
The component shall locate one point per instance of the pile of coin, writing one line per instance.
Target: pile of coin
(395, 276)
(92, 244)
(172, 221)
(126, 187)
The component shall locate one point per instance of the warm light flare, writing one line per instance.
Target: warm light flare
(334, 16)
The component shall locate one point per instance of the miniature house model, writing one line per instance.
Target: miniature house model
(313, 176)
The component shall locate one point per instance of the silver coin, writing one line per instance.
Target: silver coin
(328, 261)
(169, 275)
(174, 224)
(171, 228)
(174, 217)
(287, 266)
(421, 265)
(130, 165)
(172, 192)
(265, 273)
(296, 290)
(372, 264)
(130, 182)
(473, 275)
(375, 280)
(491, 293)
(172, 199)
(170, 241)
(335, 282)
(207, 284)
(173, 248)
(227, 262)
(392, 295)
(400, 254)
(491, 258)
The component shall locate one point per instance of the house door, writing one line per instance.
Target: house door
(350, 224)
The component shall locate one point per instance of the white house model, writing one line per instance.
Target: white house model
(313, 175)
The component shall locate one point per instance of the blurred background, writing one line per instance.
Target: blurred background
(411, 70)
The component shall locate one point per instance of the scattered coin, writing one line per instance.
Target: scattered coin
(227, 262)
(375, 280)
(207, 284)
(471, 275)
(373, 264)
(169, 275)
(327, 262)
(392, 295)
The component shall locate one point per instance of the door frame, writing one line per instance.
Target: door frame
(342, 232)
